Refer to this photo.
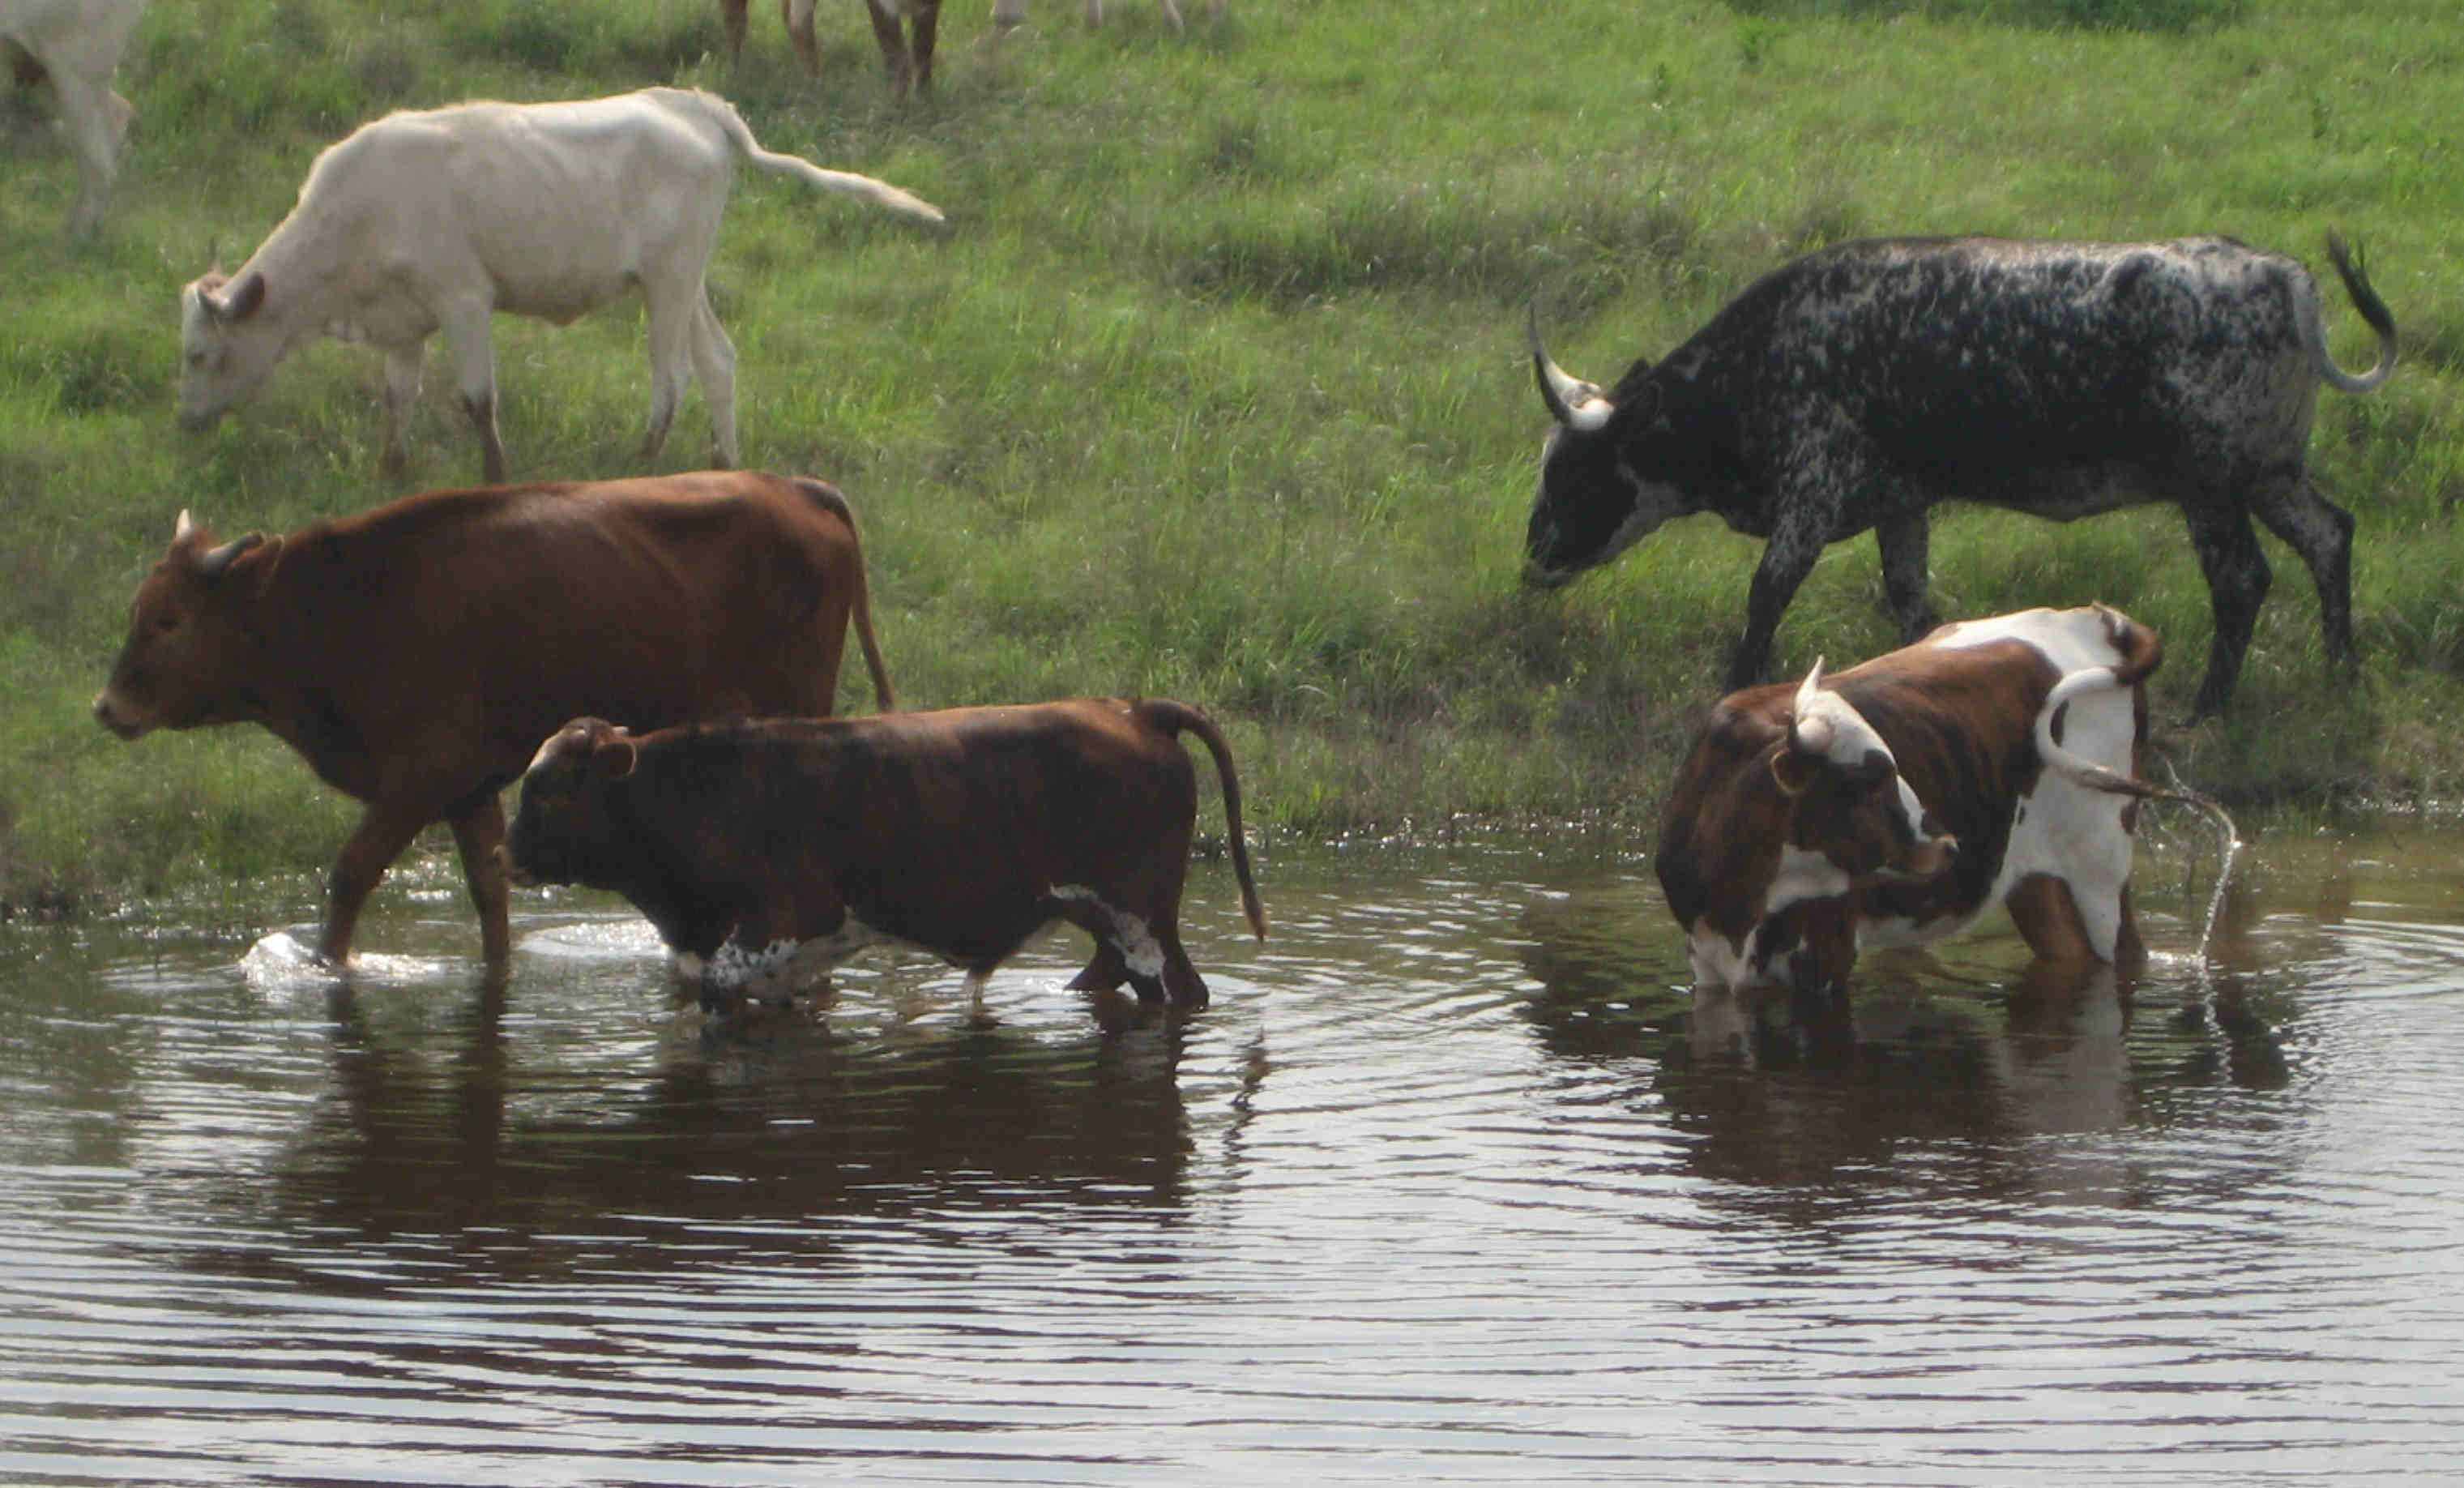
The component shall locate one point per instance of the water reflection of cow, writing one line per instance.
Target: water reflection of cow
(781, 1127)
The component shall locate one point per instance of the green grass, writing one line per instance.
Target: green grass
(1216, 387)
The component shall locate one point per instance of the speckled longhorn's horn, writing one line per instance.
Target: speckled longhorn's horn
(1572, 401)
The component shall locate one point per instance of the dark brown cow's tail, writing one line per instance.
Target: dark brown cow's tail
(1172, 717)
(859, 601)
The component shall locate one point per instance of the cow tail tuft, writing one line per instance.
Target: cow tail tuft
(1172, 717)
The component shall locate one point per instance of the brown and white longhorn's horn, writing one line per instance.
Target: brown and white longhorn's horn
(185, 526)
(1811, 730)
(1572, 401)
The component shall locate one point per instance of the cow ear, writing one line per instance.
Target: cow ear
(1793, 772)
(615, 757)
(242, 301)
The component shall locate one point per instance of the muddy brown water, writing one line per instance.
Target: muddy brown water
(1454, 1183)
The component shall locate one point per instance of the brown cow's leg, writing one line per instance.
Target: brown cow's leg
(379, 838)
(479, 831)
(731, 20)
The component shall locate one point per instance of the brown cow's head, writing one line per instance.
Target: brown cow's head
(194, 653)
(560, 830)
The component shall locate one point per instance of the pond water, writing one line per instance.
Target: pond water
(1454, 1183)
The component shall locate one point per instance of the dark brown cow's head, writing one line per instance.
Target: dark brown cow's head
(194, 651)
(562, 828)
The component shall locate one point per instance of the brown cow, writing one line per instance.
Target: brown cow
(767, 851)
(909, 64)
(416, 655)
(1994, 762)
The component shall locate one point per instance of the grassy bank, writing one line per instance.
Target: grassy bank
(1217, 389)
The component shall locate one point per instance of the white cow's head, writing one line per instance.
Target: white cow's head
(227, 346)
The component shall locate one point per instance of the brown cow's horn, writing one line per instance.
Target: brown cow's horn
(1572, 401)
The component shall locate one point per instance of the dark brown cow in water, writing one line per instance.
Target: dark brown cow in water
(416, 655)
(769, 850)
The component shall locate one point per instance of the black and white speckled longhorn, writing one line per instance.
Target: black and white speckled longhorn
(1857, 386)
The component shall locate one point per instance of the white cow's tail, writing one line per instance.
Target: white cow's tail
(881, 193)
(2373, 309)
(2087, 773)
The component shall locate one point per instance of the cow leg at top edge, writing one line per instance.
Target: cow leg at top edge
(892, 41)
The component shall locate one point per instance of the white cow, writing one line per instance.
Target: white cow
(76, 44)
(440, 218)
(1008, 13)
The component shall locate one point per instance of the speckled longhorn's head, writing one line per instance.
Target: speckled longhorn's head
(1597, 497)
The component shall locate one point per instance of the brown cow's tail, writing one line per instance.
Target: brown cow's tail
(1174, 716)
(860, 601)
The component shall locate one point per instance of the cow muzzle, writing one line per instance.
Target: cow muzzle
(110, 716)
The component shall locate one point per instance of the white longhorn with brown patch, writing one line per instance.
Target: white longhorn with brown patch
(1995, 762)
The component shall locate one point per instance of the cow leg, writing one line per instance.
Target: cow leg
(474, 370)
(893, 44)
(1903, 542)
(2321, 532)
(799, 17)
(401, 397)
(1787, 559)
(383, 834)
(2237, 580)
(1183, 986)
(1172, 14)
(925, 22)
(1008, 14)
(730, 21)
(672, 346)
(977, 1014)
(94, 139)
(1094, 12)
(479, 832)
(714, 360)
(2049, 919)
(1106, 971)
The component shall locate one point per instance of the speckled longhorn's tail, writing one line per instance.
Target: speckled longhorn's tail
(1172, 717)
(2373, 309)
